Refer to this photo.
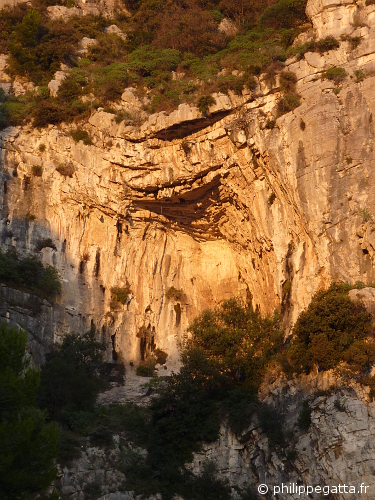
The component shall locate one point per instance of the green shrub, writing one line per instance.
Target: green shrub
(239, 407)
(360, 75)
(321, 46)
(12, 113)
(101, 435)
(37, 170)
(270, 125)
(30, 274)
(69, 447)
(336, 74)
(42, 148)
(204, 103)
(120, 294)
(288, 103)
(146, 368)
(45, 243)
(72, 375)
(332, 330)
(238, 340)
(365, 214)
(271, 423)
(175, 294)
(288, 81)
(326, 44)
(67, 170)
(28, 445)
(92, 491)
(284, 14)
(81, 135)
(47, 112)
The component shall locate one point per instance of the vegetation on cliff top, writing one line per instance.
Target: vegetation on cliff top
(161, 37)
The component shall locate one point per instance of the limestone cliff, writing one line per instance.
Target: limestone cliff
(214, 206)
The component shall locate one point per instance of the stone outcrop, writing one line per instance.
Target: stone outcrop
(337, 448)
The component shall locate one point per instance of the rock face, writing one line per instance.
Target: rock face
(212, 206)
(337, 448)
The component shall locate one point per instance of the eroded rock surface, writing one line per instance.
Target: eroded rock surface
(337, 448)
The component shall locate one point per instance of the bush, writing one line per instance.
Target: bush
(326, 44)
(69, 447)
(238, 340)
(12, 113)
(120, 294)
(146, 368)
(66, 170)
(81, 135)
(270, 125)
(46, 113)
(336, 74)
(72, 375)
(30, 274)
(45, 243)
(332, 330)
(284, 14)
(204, 103)
(288, 81)
(37, 170)
(288, 103)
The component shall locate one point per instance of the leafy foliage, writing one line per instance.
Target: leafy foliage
(81, 135)
(284, 14)
(204, 103)
(27, 444)
(336, 74)
(333, 329)
(221, 370)
(288, 102)
(120, 294)
(321, 46)
(72, 375)
(30, 274)
(238, 341)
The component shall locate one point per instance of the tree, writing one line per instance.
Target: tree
(239, 340)
(72, 375)
(27, 444)
(333, 329)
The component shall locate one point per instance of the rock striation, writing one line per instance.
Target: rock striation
(337, 448)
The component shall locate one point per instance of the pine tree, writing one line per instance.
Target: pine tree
(28, 444)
